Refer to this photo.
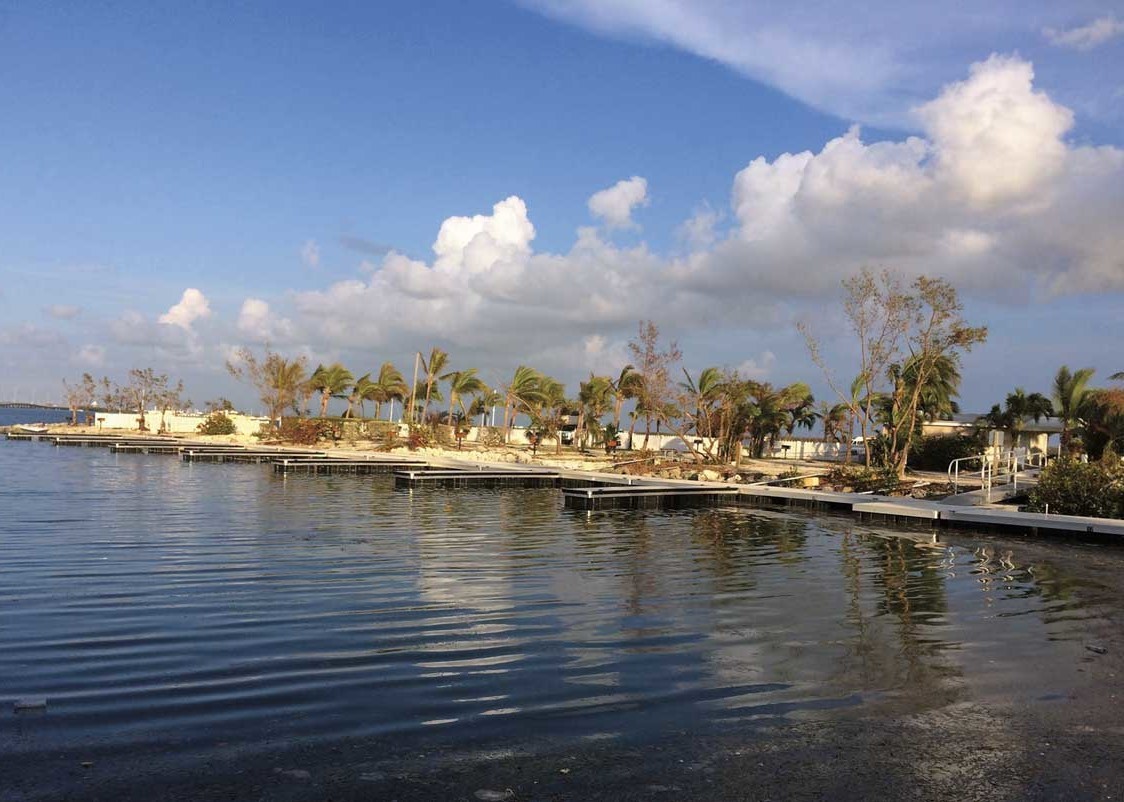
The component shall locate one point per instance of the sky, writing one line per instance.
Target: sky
(523, 182)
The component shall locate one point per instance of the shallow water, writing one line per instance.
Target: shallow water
(153, 601)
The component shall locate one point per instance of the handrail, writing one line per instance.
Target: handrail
(1004, 464)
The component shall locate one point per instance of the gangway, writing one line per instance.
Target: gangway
(1000, 473)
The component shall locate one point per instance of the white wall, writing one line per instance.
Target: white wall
(174, 422)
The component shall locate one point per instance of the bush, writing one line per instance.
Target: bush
(494, 436)
(937, 452)
(420, 437)
(304, 431)
(217, 423)
(861, 479)
(1069, 487)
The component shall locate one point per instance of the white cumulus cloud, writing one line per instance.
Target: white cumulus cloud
(257, 322)
(193, 305)
(614, 205)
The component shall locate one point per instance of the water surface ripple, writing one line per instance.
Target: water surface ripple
(151, 600)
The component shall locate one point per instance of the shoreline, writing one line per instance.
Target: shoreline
(932, 515)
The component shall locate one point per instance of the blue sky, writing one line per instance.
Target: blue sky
(294, 165)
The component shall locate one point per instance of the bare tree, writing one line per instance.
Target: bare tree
(170, 397)
(80, 396)
(902, 335)
(655, 393)
(879, 311)
(278, 380)
(937, 331)
(144, 388)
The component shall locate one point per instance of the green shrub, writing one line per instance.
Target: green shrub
(217, 423)
(1069, 487)
(935, 453)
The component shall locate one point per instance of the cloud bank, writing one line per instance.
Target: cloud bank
(992, 196)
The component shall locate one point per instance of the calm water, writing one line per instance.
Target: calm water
(10, 416)
(153, 601)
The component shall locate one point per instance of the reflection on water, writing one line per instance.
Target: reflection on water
(149, 599)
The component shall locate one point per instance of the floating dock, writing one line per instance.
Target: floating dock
(592, 491)
(189, 454)
(643, 497)
(479, 478)
(341, 465)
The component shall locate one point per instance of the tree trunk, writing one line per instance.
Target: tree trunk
(323, 403)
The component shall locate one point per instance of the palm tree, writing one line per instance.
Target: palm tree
(548, 410)
(519, 394)
(432, 367)
(705, 392)
(800, 404)
(1019, 406)
(594, 399)
(625, 387)
(941, 386)
(331, 381)
(834, 420)
(485, 400)
(1069, 394)
(388, 386)
(462, 383)
(361, 391)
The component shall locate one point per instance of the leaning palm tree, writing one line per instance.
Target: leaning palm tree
(461, 383)
(331, 381)
(519, 394)
(389, 386)
(1069, 394)
(432, 368)
(626, 386)
(361, 391)
(549, 409)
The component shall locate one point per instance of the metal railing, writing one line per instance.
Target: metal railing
(997, 469)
